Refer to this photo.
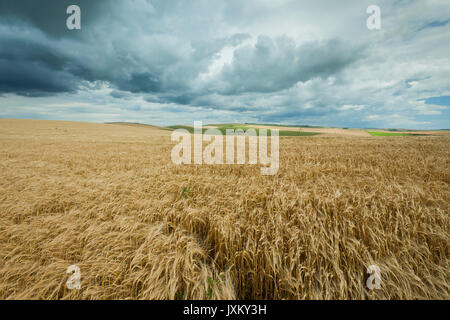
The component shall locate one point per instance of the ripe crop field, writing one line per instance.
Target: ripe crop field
(108, 198)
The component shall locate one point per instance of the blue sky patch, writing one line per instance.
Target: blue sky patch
(440, 101)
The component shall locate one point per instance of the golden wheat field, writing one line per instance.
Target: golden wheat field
(108, 198)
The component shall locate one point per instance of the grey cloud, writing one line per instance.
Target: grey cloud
(164, 65)
(435, 24)
(121, 94)
(29, 66)
(273, 65)
(140, 82)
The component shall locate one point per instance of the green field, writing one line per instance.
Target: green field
(188, 128)
(387, 134)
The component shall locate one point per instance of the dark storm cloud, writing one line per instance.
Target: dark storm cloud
(33, 60)
(273, 65)
(46, 58)
(134, 55)
(140, 82)
(31, 67)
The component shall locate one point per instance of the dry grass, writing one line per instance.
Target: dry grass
(109, 199)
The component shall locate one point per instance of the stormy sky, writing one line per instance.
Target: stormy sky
(267, 61)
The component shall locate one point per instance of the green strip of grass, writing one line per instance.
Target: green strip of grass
(387, 134)
(287, 133)
(188, 128)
